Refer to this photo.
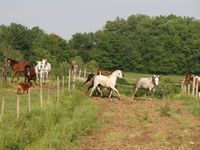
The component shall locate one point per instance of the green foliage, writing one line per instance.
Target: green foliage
(92, 66)
(159, 45)
(191, 101)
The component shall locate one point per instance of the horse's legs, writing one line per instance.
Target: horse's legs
(14, 75)
(110, 93)
(116, 91)
(98, 88)
(136, 89)
(150, 93)
(92, 90)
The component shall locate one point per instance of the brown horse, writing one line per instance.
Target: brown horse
(29, 74)
(17, 67)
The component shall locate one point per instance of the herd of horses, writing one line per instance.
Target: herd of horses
(39, 72)
(103, 79)
(108, 80)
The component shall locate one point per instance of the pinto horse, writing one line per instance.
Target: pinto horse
(17, 67)
(190, 77)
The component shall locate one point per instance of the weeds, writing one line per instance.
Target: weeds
(165, 110)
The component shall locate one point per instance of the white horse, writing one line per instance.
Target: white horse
(38, 69)
(46, 68)
(147, 83)
(107, 81)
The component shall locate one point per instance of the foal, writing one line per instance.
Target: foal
(23, 87)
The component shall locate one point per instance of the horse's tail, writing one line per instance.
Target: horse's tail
(90, 78)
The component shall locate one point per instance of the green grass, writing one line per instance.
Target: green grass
(58, 125)
(192, 103)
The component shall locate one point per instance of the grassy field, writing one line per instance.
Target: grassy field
(61, 125)
(58, 125)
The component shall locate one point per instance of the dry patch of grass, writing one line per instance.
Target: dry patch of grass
(112, 137)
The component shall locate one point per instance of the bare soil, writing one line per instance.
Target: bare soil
(139, 125)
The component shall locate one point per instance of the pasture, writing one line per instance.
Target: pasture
(79, 122)
(58, 124)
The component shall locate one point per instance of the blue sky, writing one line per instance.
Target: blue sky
(66, 17)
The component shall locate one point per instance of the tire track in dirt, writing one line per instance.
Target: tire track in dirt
(128, 124)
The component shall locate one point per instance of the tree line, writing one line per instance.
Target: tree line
(161, 44)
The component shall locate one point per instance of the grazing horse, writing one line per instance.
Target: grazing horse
(29, 74)
(107, 81)
(147, 83)
(17, 67)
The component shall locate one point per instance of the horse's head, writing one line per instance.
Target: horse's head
(155, 79)
(39, 65)
(119, 74)
(27, 70)
(10, 62)
(189, 77)
(44, 63)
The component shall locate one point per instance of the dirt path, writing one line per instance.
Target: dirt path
(138, 125)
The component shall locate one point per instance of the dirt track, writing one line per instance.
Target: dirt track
(138, 125)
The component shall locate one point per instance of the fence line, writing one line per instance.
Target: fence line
(29, 100)
(2, 109)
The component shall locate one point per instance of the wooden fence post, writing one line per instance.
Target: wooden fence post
(41, 97)
(18, 109)
(182, 87)
(74, 77)
(29, 100)
(2, 109)
(58, 88)
(84, 76)
(69, 82)
(79, 75)
(48, 93)
(193, 86)
(63, 84)
(188, 89)
(197, 88)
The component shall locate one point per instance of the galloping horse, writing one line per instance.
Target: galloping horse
(17, 67)
(90, 78)
(147, 83)
(107, 81)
